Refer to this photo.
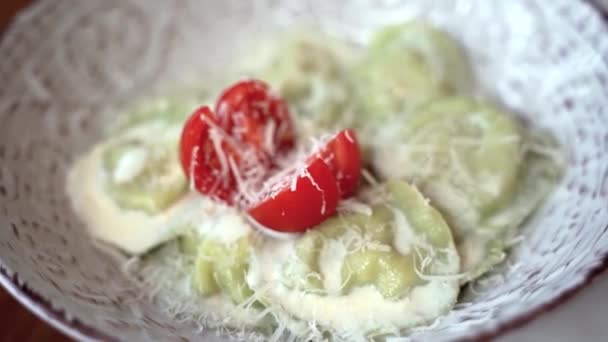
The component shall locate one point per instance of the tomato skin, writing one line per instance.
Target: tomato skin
(191, 137)
(251, 126)
(343, 156)
(241, 140)
(248, 109)
(307, 206)
(203, 165)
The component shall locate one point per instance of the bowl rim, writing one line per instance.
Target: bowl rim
(73, 328)
(44, 310)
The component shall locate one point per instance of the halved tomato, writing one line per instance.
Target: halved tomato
(192, 135)
(206, 156)
(303, 201)
(343, 156)
(253, 115)
(228, 154)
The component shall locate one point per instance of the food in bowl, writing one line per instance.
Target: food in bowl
(350, 194)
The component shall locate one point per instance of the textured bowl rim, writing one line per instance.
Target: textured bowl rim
(73, 328)
(44, 310)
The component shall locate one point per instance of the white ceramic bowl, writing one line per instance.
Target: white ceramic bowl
(67, 64)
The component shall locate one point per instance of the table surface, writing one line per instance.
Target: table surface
(584, 317)
(18, 324)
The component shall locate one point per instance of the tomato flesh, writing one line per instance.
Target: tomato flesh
(250, 126)
(238, 145)
(205, 155)
(191, 137)
(343, 156)
(253, 115)
(295, 209)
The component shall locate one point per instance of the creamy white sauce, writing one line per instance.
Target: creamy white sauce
(130, 165)
(365, 309)
(135, 231)
(362, 310)
(272, 233)
(210, 219)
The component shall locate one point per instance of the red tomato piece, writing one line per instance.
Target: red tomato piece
(343, 156)
(253, 115)
(206, 155)
(191, 136)
(313, 199)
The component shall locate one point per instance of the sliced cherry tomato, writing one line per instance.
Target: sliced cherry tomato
(191, 136)
(206, 156)
(313, 199)
(343, 156)
(253, 115)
